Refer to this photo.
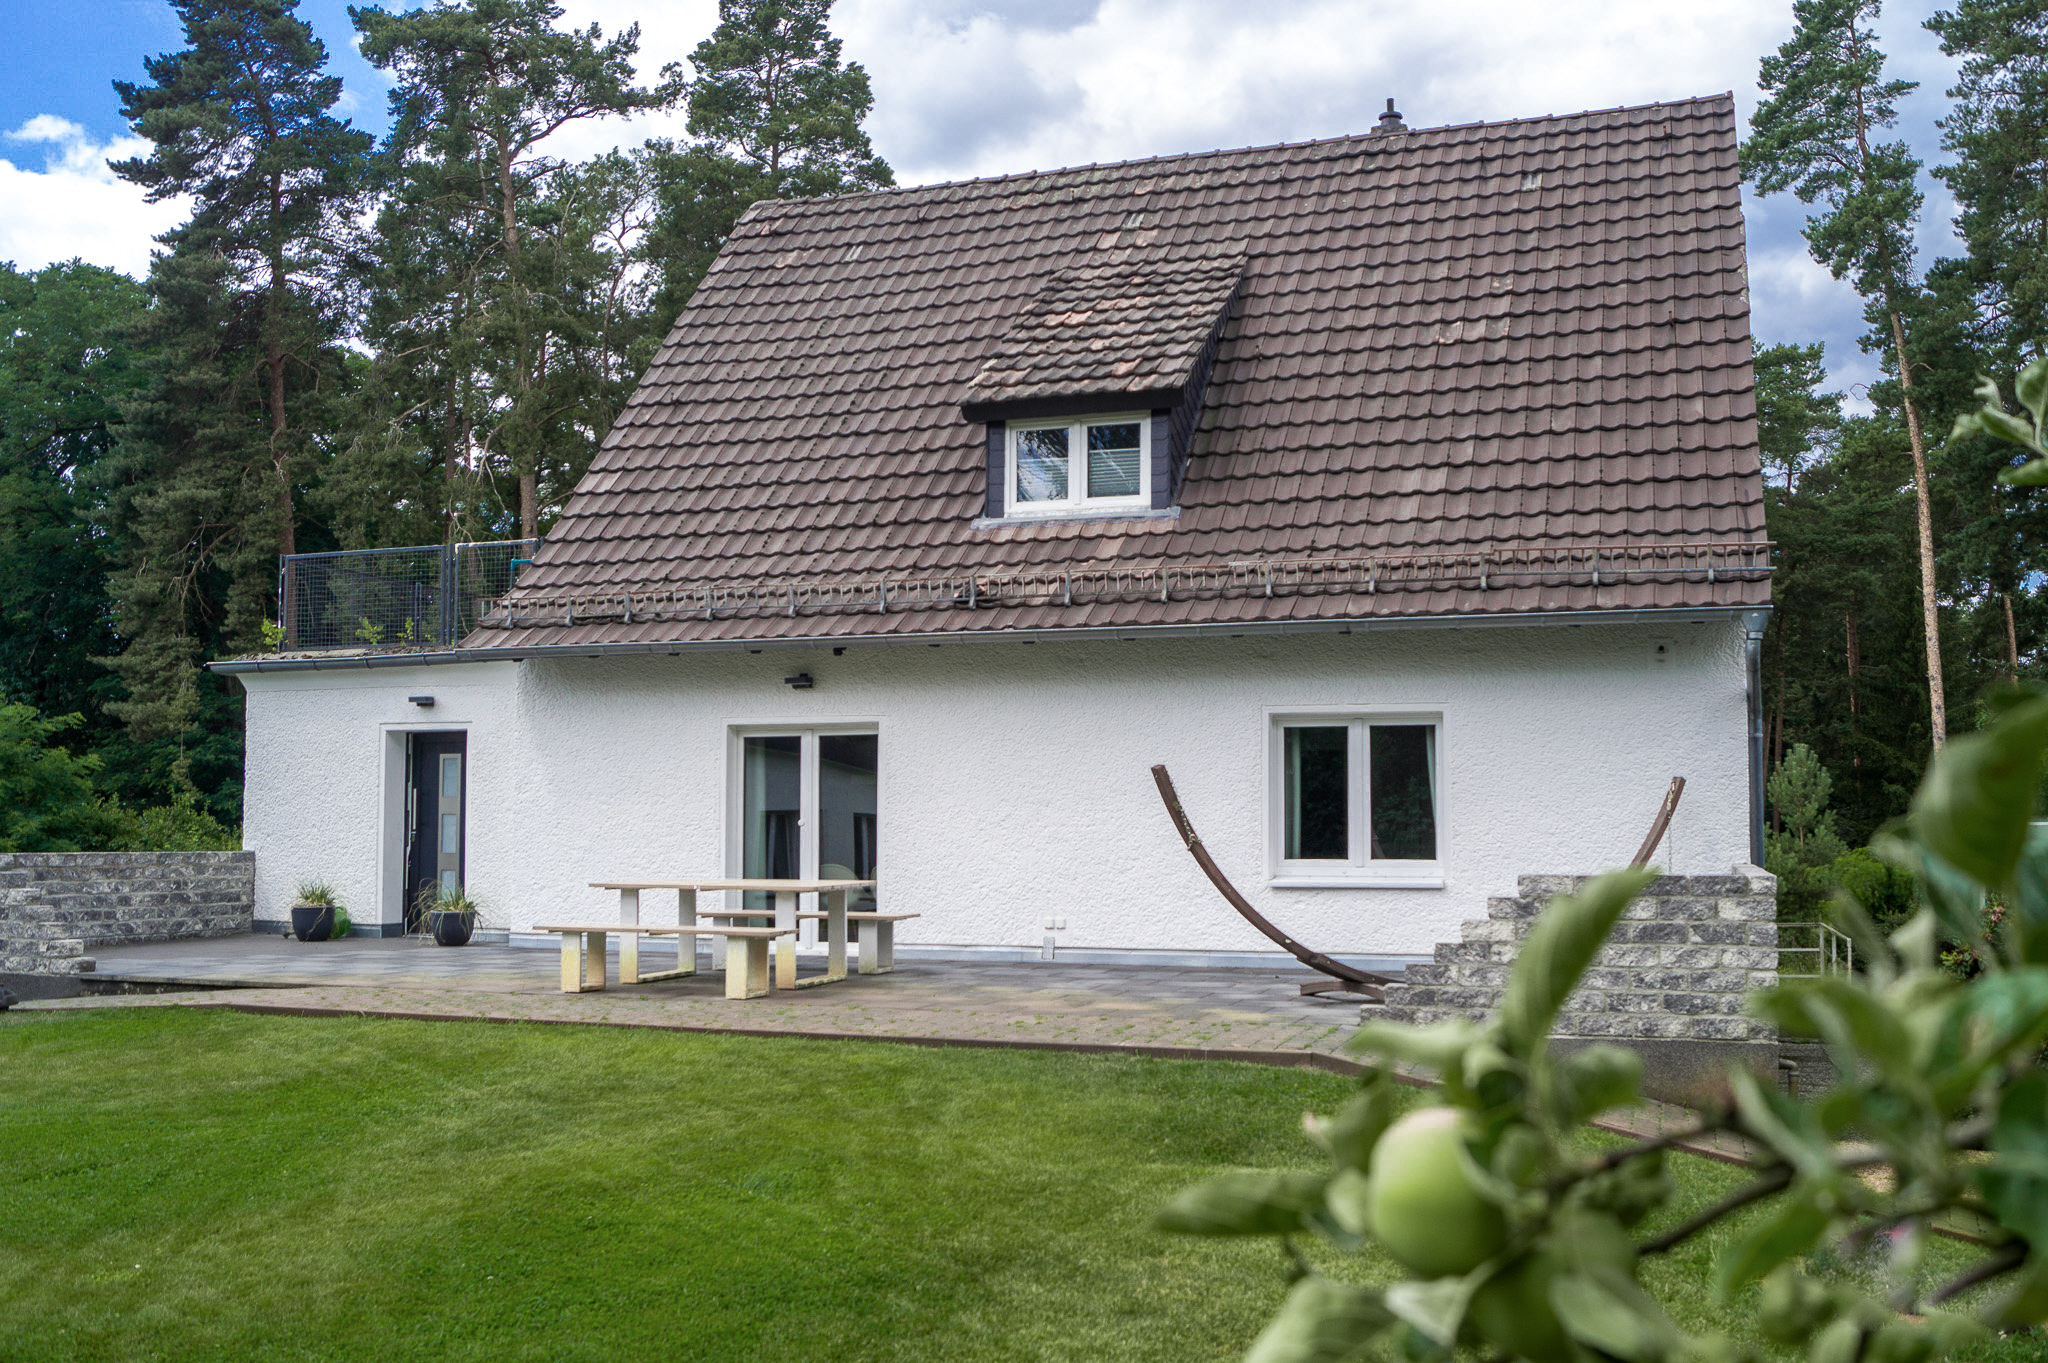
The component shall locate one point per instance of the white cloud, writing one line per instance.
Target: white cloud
(74, 206)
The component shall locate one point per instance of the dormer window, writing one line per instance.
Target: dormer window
(1092, 398)
(1080, 465)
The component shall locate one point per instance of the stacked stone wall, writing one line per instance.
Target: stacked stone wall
(56, 907)
(1677, 968)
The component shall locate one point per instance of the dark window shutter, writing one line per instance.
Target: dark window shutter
(997, 466)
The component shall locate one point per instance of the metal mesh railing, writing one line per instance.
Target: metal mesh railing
(417, 597)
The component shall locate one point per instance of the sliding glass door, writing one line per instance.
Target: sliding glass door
(807, 808)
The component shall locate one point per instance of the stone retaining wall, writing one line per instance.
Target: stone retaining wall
(1670, 983)
(55, 907)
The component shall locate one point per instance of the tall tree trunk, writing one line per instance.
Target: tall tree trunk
(2012, 638)
(273, 361)
(523, 455)
(1937, 704)
(1855, 703)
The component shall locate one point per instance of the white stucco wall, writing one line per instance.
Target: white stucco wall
(1015, 778)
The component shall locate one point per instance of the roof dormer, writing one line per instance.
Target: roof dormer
(1092, 397)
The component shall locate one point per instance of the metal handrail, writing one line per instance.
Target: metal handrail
(1834, 952)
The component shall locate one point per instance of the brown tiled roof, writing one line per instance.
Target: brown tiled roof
(1512, 358)
(1125, 325)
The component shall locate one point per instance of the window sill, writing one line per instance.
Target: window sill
(1135, 513)
(1410, 882)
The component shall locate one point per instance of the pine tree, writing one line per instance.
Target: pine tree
(247, 304)
(1815, 135)
(241, 124)
(480, 87)
(772, 93)
(1998, 131)
(776, 115)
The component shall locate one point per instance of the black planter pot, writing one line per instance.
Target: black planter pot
(453, 929)
(312, 922)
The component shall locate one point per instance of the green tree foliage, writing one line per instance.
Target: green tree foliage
(1997, 129)
(480, 87)
(776, 115)
(1805, 833)
(1815, 134)
(1517, 1245)
(67, 364)
(243, 367)
(47, 799)
(240, 124)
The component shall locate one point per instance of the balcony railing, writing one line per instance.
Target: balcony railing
(425, 596)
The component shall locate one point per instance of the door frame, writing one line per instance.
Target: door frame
(392, 832)
(734, 815)
(410, 885)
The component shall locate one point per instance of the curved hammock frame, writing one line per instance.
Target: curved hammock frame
(1342, 978)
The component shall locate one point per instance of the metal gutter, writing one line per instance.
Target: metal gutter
(1088, 634)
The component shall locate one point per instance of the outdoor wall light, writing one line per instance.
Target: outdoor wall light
(424, 702)
(800, 682)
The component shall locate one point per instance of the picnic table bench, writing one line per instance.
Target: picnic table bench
(833, 893)
(877, 948)
(583, 955)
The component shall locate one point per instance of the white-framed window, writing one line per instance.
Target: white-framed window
(1079, 464)
(1357, 800)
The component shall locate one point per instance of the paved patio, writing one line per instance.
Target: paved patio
(1252, 1013)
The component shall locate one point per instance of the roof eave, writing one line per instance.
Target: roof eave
(1097, 633)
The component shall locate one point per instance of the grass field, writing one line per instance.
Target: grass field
(198, 1185)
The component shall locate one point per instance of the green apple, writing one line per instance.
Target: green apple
(1422, 1206)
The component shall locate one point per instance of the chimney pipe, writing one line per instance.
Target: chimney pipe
(1390, 121)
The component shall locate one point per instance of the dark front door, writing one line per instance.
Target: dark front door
(437, 819)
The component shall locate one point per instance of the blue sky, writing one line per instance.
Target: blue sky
(976, 87)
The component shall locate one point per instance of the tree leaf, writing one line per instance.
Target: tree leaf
(1245, 1203)
(1972, 809)
(2033, 473)
(2006, 427)
(1322, 1322)
(1591, 1080)
(1559, 948)
(2032, 387)
(1350, 1133)
(1606, 1320)
(1794, 1228)
(2019, 1197)
(1437, 1046)
(1435, 1308)
(2028, 898)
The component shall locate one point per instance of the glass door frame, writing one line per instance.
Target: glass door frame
(808, 799)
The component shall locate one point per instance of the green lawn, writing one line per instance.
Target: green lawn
(180, 1184)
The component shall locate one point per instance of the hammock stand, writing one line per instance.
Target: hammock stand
(1341, 978)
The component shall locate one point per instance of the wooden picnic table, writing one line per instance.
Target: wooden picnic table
(833, 893)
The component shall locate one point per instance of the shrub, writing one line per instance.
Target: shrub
(47, 801)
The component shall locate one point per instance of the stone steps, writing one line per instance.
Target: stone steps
(1678, 965)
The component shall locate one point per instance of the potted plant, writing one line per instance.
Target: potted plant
(316, 915)
(451, 917)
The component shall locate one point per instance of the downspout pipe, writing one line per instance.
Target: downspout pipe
(1753, 623)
